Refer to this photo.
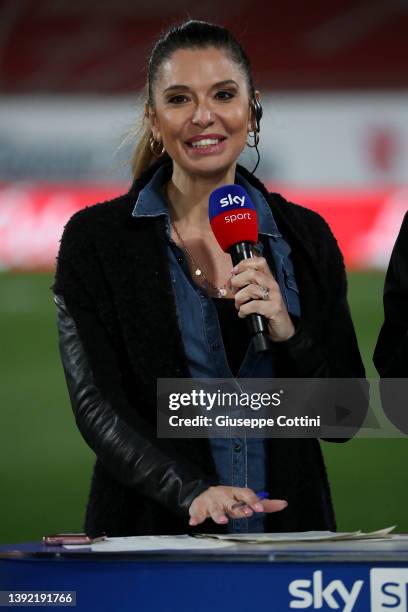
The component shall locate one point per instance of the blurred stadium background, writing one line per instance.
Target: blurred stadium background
(334, 137)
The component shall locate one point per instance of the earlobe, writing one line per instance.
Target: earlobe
(151, 116)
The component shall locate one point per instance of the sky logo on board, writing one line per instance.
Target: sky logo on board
(388, 591)
(314, 594)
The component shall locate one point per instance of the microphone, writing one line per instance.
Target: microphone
(235, 225)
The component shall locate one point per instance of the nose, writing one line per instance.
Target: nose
(202, 115)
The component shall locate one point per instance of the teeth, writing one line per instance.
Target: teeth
(205, 142)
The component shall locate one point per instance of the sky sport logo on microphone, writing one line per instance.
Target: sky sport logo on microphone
(230, 200)
(238, 217)
(232, 216)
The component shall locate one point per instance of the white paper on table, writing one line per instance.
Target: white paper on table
(298, 536)
(379, 534)
(146, 543)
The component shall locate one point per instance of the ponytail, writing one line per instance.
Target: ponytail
(142, 157)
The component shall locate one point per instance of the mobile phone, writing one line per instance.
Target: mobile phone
(59, 539)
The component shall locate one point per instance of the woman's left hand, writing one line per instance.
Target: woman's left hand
(256, 291)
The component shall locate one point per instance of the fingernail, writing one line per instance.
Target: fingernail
(193, 521)
(248, 511)
(258, 507)
(223, 519)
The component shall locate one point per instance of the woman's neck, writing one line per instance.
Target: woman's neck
(188, 196)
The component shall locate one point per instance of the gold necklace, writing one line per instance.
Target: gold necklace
(220, 291)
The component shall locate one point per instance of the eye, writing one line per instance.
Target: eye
(224, 95)
(178, 99)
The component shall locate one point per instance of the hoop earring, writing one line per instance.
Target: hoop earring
(254, 134)
(153, 144)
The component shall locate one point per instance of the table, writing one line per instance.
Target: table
(351, 576)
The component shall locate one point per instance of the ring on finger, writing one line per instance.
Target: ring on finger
(240, 511)
(265, 292)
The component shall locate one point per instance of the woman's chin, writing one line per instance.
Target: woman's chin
(207, 166)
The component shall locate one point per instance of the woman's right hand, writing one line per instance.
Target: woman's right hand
(216, 503)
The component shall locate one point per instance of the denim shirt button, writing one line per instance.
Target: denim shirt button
(237, 447)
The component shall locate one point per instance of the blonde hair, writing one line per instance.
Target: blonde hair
(140, 134)
(142, 157)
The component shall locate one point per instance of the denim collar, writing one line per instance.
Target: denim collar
(152, 203)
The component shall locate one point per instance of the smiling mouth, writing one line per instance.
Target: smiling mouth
(204, 142)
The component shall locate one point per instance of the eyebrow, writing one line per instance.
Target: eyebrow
(186, 87)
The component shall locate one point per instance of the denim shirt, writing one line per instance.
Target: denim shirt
(240, 462)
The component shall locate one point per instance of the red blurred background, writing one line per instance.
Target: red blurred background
(334, 135)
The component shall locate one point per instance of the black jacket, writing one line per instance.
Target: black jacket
(391, 351)
(118, 332)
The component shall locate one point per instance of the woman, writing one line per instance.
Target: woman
(145, 292)
(391, 351)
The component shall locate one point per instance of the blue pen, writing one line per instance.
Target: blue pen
(261, 495)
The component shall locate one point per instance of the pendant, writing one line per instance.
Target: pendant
(222, 292)
(198, 272)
